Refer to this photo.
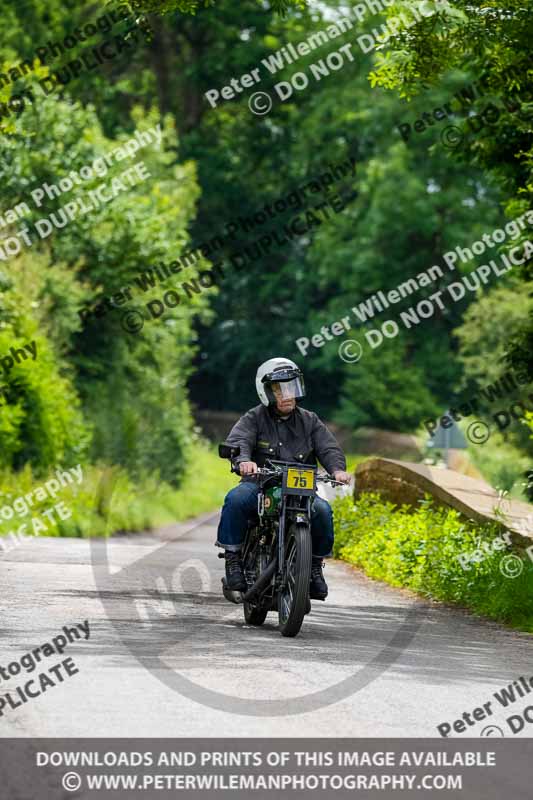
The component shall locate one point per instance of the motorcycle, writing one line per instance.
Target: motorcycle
(277, 552)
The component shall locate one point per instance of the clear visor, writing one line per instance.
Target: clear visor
(288, 390)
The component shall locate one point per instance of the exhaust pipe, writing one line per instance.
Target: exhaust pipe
(261, 582)
(231, 595)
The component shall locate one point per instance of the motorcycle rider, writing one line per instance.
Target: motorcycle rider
(278, 429)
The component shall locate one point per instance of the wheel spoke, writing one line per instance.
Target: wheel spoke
(287, 598)
(293, 594)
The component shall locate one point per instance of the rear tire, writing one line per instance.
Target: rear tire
(254, 615)
(293, 600)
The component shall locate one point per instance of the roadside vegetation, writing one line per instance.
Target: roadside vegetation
(418, 549)
(108, 500)
(502, 465)
(497, 461)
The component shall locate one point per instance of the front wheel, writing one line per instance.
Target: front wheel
(294, 596)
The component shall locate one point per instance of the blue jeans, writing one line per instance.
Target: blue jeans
(240, 506)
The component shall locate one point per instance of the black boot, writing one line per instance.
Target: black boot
(234, 574)
(319, 588)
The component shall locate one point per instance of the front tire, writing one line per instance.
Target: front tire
(293, 599)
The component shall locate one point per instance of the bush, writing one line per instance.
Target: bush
(502, 464)
(41, 422)
(419, 549)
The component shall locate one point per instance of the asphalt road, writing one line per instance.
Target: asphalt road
(168, 656)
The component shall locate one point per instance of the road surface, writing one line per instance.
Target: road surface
(158, 622)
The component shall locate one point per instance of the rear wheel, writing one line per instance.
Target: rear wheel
(256, 563)
(294, 596)
(254, 615)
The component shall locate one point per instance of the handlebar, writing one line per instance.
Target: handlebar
(274, 472)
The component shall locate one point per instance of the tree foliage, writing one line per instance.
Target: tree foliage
(97, 391)
(492, 41)
(131, 388)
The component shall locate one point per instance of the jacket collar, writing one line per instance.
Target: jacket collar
(274, 414)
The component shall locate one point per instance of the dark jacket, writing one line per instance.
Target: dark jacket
(302, 437)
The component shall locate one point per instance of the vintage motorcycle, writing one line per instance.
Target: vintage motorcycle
(276, 552)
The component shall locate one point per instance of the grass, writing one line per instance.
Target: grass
(354, 459)
(108, 500)
(502, 465)
(418, 549)
(206, 483)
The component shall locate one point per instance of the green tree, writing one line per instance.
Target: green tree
(132, 387)
(494, 45)
(404, 209)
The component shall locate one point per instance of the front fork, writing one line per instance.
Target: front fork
(301, 515)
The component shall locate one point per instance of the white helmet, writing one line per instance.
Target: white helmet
(282, 371)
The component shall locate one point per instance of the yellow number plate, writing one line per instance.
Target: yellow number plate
(300, 478)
